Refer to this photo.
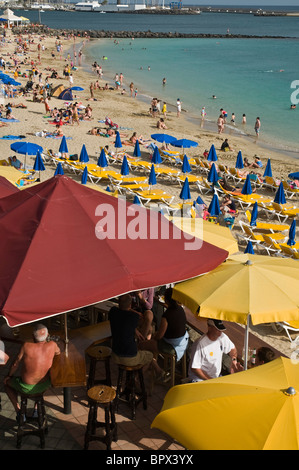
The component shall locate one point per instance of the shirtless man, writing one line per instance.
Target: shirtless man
(36, 360)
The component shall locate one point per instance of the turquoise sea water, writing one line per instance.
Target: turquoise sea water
(250, 76)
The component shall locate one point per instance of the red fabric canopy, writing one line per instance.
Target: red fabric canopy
(6, 187)
(52, 261)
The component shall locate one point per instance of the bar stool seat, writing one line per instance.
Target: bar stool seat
(98, 353)
(132, 396)
(101, 395)
(41, 419)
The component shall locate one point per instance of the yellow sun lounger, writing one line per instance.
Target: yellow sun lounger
(290, 250)
(272, 227)
(118, 179)
(154, 196)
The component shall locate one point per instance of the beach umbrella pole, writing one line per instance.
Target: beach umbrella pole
(246, 343)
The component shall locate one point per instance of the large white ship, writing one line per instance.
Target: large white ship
(87, 6)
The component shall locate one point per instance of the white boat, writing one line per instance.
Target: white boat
(87, 6)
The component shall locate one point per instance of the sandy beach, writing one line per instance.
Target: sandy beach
(131, 115)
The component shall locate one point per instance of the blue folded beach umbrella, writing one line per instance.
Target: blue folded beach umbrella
(186, 168)
(239, 162)
(268, 169)
(152, 177)
(136, 200)
(249, 248)
(137, 152)
(254, 215)
(185, 193)
(292, 234)
(163, 138)
(212, 157)
(199, 201)
(117, 143)
(156, 159)
(214, 207)
(125, 170)
(77, 88)
(247, 189)
(84, 176)
(84, 158)
(63, 146)
(38, 163)
(102, 160)
(213, 175)
(280, 196)
(59, 170)
(294, 175)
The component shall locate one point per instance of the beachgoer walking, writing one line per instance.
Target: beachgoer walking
(244, 119)
(178, 107)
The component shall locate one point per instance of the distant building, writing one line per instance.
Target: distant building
(109, 7)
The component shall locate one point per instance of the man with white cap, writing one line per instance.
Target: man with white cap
(206, 354)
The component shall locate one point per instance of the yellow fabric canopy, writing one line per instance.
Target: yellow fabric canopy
(264, 287)
(11, 174)
(250, 410)
(207, 231)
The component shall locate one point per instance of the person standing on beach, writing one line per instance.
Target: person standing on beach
(91, 88)
(131, 89)
(244, 119)
(257, 126)
(164, 109)
(179, 107)
(220, 124)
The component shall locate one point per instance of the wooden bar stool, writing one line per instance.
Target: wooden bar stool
(132, 396)
(169, 355)
(98, 353)
(41, 419)
(101, 395)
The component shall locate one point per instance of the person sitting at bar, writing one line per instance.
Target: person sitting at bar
(36, 361)
(124, 322)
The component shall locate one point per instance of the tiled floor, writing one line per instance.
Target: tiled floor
(66, 431)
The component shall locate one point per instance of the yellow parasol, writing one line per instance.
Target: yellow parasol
(245, 288)
(11, 174)
(208, 232)
(257, 409)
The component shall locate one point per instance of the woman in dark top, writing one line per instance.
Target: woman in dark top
(172, 328)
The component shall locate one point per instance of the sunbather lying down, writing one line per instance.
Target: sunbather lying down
(103, 132)
(133, 139)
